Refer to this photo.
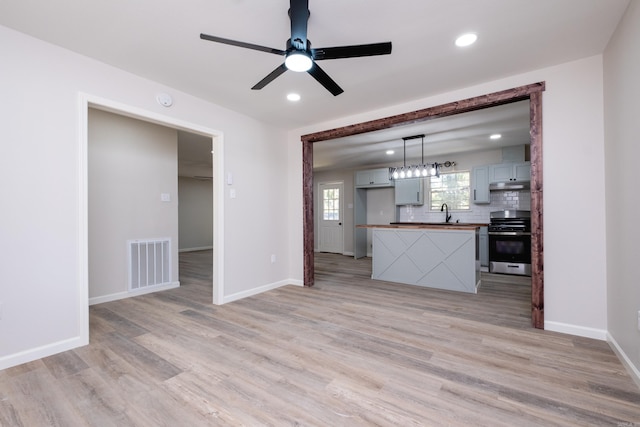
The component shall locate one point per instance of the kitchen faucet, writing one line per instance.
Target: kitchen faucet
(447, 217)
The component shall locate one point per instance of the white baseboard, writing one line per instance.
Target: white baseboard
(581, 331)
(40, 352)
(316, 250)
(261, 289)
(633, 371)
(128, 294)
(203, 248)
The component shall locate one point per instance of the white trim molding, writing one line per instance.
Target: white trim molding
(203, 248)
(626, 361)
(40, 352)
(268, 287)
(127, 294)
(580, 331)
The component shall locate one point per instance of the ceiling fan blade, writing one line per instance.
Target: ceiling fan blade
(351, 51)
(299, 15)
(242, 44)
(271, 77)
(324, 79)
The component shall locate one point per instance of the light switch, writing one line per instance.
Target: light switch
(232, 193)
(165, 197)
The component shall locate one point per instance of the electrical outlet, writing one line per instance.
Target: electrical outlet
(273, 258)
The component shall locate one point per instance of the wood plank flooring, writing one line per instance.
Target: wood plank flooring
(348, 352)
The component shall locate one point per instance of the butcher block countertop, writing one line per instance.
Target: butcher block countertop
(427, 225)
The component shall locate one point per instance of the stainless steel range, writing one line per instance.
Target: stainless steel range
(510, 242)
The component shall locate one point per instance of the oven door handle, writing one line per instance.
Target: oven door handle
(509, 233)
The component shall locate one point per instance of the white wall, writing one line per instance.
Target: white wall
(195, 210)
(41, 261)
(621, 71)
(575, 259)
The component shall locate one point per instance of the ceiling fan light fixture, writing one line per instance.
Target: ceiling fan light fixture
(298, 62)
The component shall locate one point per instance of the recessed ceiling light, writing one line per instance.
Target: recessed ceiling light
(390, 152)
(495, 136)
(293, 97)
(466, 39)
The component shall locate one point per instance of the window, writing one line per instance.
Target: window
(452, 188)
(331, 204)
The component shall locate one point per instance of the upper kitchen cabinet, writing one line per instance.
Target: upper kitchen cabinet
(410, 191)
(373, 178)
(505, 172)
(480, 177)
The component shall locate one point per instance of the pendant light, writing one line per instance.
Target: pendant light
(417, 171)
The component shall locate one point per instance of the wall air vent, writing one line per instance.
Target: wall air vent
(149, 263)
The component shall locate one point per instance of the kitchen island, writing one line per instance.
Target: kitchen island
(435, 255)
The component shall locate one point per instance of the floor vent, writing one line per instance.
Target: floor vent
(149, 263)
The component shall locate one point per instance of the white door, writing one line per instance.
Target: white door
(331, 238)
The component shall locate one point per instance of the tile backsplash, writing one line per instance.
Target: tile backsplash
(478, 213)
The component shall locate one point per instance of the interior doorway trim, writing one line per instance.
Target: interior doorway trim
(532, 92)
(87, 101)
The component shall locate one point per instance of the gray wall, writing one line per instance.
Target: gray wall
(131, 163)
(622, 151)
(195, 211)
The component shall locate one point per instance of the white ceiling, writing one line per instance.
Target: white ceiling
(194, 156)
(159, 40)
(449, 135)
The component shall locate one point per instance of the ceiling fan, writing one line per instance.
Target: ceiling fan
(300, 56)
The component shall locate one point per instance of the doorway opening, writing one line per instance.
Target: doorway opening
(532, 92)
(215, 150)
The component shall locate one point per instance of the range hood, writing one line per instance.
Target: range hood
(510, 186)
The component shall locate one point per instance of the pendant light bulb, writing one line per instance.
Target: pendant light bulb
(395, 174)
(402, 173)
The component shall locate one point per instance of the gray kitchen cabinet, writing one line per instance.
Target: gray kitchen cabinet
(522, 171)
(371, 178)
(505, 172)
(480, 193)
(483, 246)
(409, 191)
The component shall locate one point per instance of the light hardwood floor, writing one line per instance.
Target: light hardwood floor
(350, 351)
